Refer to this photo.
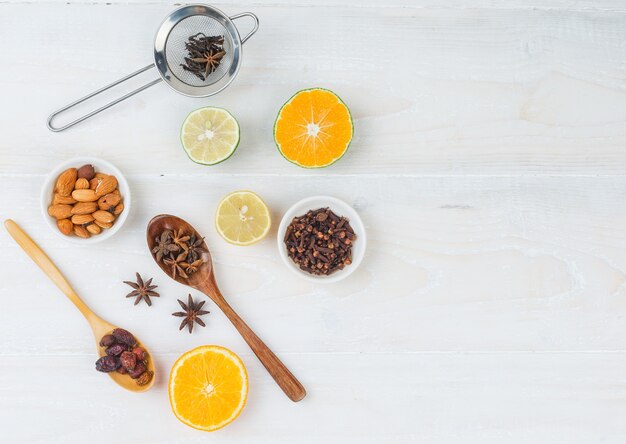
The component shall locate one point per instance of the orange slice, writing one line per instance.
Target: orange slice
(208, 387)
(313, 129)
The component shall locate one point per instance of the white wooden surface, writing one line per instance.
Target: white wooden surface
(488, 165)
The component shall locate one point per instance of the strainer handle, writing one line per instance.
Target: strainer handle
(102, 108)
(253, 17)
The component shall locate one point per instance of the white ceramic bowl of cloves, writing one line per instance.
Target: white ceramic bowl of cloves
(322, 239)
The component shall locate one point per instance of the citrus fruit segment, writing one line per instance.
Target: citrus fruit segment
(208, 387)
(242, 218)
(210, 135)
(313, 129)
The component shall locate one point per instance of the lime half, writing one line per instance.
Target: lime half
(210, 135)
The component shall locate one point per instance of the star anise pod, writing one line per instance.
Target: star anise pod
(179, 238)
(204, 54)
(142, 290)
(212, 60)
(191, 313)
(194, 248)
(164, 246)
(176, 265)
(192, 267)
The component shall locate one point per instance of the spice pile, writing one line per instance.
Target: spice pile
(124, 356)
(85, 202)
(204, 54)
(320, 242)
(182, 253)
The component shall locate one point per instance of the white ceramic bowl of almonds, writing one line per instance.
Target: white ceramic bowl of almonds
(101, 167)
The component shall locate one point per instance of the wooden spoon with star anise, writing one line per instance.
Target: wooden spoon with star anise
(197, 272)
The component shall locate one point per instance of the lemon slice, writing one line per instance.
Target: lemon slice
(210, 135)
(242, 218)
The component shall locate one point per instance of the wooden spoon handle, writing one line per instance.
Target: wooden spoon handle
(281, 374)
(47, 266)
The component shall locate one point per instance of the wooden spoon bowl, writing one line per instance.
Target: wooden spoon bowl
(124, 380)
(156, 226)
(99, 326)
(203, 280)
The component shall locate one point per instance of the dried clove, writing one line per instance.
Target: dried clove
(320, 242)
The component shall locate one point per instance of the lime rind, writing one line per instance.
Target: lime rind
(221, 159)
(313, 167)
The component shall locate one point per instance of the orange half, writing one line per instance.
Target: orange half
(314, 128)
(208, 387)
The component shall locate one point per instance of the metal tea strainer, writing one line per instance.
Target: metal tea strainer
(169, 54)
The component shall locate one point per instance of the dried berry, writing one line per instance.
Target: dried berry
(107, 364)
(107, 341)
(116, 349)
(140, 353)
(86, 172)
(128, 360)
(138, 370)
(145, 378)
(123, 358)
(124, 337)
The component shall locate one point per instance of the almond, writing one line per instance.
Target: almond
(67, 200)
(65, 226)
(81, 184)
(81, 219)
(100, 175)
(84, 195)
(94, 229)
(93, 183)
(60, 211)
(84, 208)
(81, 231)
(109, 201)
(65, 182)
(116, 191)
(103, 224)
(86, 172)
(103, 216)
(118, 209)
(108, 184)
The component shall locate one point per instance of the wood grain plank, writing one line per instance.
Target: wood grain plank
(439, 398)
(569, 5)
(452, 264)
(488, 166)
(478, 91)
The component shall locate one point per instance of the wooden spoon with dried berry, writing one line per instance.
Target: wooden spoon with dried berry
(111, 341)
(184, 256)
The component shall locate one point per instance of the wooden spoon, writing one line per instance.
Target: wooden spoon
(204, 280)
(99, 326)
